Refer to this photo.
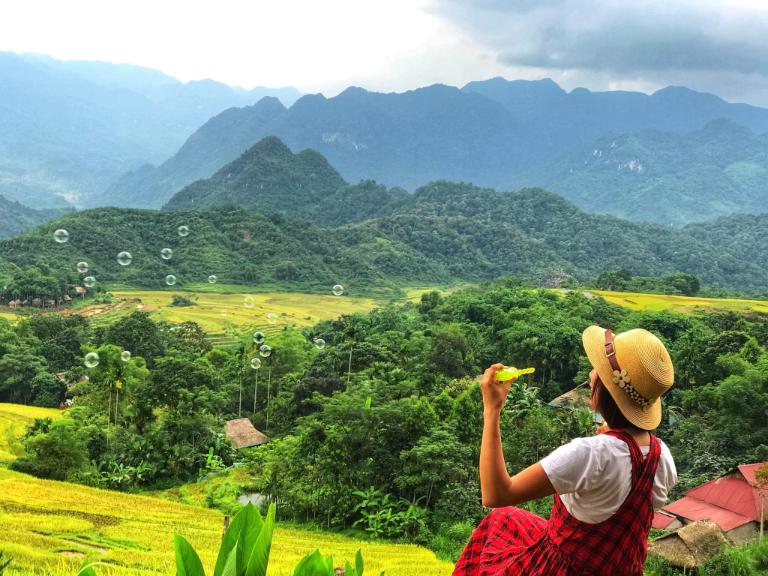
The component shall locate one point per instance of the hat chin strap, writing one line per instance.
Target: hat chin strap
(610, 350)
(620, 375)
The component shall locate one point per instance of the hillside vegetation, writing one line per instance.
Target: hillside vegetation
(664, 177)
(15, 217)
(443, 233)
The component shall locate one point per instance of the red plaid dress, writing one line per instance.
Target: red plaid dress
(512, 541)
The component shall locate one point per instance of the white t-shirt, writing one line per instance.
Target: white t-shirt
(593, 476)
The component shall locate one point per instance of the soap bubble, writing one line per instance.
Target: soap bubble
(170, 279)
(337, 289)
(319, 343)
(183, 231)
(166, 253)
(124, 258)
(89, 281)
(91, 360)
(272, 318)
(125, 356)
(82, 267)
(212, 279)
(265, 351)
(61, 236)
(249, 301)
(255, 363)
(258, 337)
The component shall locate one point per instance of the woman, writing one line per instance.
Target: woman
(606, 487)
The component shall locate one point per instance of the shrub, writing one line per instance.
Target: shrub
(181, 301)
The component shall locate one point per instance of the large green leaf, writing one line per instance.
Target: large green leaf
(87, 570)
(358, 564)
(247, 520)
(258, 558)
(230, 565)
(314, 565)
(187, 561)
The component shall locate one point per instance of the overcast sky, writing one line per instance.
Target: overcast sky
(719, 46)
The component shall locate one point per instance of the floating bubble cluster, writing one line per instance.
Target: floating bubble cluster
(82, 267)
(170, 279)
(258, 337)
(183, 231)
(166, 253)
(249, 301)
(255, 363)
(91, 360)
(125, 356)
(272, 318)
(124, 258)
(61, 236)
(337, 289)
(319, 343)
(89, 281)
(212, 279)
(265, 351)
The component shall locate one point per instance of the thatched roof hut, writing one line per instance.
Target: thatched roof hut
(690, 546)
(243, 434)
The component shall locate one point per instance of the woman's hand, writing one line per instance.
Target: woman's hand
(494, 392)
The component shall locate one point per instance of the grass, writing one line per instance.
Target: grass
(14, 419)
(656, 302)
(52, 528)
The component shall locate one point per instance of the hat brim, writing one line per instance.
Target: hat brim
(648, 418)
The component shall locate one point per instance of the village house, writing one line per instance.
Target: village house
(242, 433)
(736, 503)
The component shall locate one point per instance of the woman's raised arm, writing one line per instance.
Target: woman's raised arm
(496, 486)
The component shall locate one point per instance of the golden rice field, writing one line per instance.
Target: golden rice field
(656, 302)
(218, 312)
(52, 528)
(14, 419)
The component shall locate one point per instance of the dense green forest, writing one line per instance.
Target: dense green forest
(379, 429)
(445, 233)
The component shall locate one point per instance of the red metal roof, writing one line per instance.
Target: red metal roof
(729, 501)
(730, 492)
(749, 471)
(694, 509)
(661, 520)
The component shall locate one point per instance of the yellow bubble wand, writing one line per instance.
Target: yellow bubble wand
(510, 372)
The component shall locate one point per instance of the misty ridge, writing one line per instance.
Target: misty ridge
(129, 136)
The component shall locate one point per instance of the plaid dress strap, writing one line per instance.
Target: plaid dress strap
(512, 541)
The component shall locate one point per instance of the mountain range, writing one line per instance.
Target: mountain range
(618, 153)
(68, 129)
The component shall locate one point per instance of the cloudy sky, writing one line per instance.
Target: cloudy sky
(719, 46)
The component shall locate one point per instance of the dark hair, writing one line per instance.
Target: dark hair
(608, 408)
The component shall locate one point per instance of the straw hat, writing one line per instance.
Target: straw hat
(636, 370)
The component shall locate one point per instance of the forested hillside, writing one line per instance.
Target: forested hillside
(15, 217)
(443, 233)
(664, 177)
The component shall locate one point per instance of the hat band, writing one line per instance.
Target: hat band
(620, 377)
